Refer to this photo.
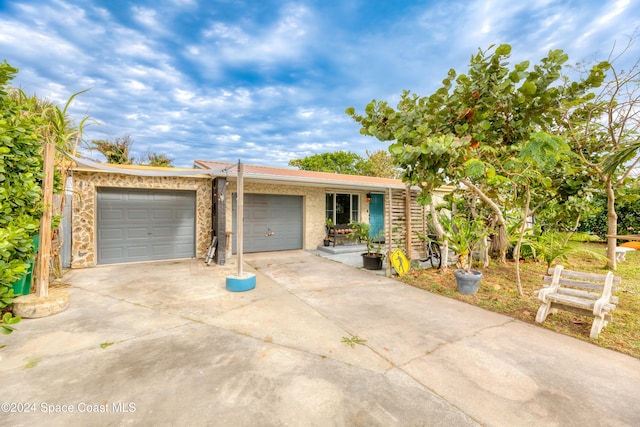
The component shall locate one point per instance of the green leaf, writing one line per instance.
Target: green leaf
(396, 149)
(503, 49)
(9, 319)
(424, 199)
(474, 168)
(528, 88)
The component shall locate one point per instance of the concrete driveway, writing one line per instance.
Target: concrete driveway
(166, 344)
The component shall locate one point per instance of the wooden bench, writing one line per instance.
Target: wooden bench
(338, 231)
(588, 294)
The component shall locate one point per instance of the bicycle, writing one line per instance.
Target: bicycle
(433, 250)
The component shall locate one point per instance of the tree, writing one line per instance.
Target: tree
(627, 208)
(116, 151)
(604, 130)
(380, 164)
(345, 162)
(471, 129)
(154, 159)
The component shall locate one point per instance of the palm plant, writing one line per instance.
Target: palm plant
(553, 246)
(361, 231)
(463, 235)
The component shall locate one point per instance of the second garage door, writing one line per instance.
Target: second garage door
(145, 225)
(271, 222)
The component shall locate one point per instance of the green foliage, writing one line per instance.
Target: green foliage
(463, 235)
(362, 232)
(528, 248)
(489, 129)
(20, 182)
(345, 162)
(627, 203)
(154, 159)
(352, 341)
(604, 131)
(6, 295)
(553, 247)
(6, 321)
(116, 151)
(379, 163)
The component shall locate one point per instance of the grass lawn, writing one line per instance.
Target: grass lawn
(498, 293)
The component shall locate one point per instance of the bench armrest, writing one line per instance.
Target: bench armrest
(553, 287)
(606, 295)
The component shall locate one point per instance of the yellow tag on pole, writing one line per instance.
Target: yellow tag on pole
(400, 262)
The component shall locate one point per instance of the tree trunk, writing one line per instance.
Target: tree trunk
(500, 223)
(516, 250)
(436, 221)
(612, 225)
(444, 253)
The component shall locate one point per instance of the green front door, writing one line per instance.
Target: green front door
(376, 216)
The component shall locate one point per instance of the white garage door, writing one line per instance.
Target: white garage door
(145, 225)
(271, 222)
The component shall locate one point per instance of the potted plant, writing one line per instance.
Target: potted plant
(463, 235)
(328, 226)
(372, 259)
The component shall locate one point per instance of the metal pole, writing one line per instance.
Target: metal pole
(240, 216)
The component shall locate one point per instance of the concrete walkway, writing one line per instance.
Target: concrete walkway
(166, 344)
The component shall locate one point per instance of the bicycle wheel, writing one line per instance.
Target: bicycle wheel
(436, 258)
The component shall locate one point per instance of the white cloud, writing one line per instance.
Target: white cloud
(285, 39)
(42, 44)
(604, 21)
(145, 16)
(305, 113)
(161, 128)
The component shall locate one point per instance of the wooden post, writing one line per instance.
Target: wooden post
(389, 242)
(408, 231)
(44, 251)
(240, 216)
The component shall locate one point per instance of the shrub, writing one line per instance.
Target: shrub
(20, 182)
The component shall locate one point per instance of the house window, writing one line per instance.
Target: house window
(343, 208)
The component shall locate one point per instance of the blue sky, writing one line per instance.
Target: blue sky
(267, 81)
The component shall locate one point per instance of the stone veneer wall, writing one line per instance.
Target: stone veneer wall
(85, 184)
(313, 206)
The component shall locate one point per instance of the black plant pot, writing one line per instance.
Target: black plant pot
(467, 283)
(326, 242)
(372, 262)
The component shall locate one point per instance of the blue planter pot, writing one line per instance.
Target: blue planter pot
(241, 284)
(468, 283)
